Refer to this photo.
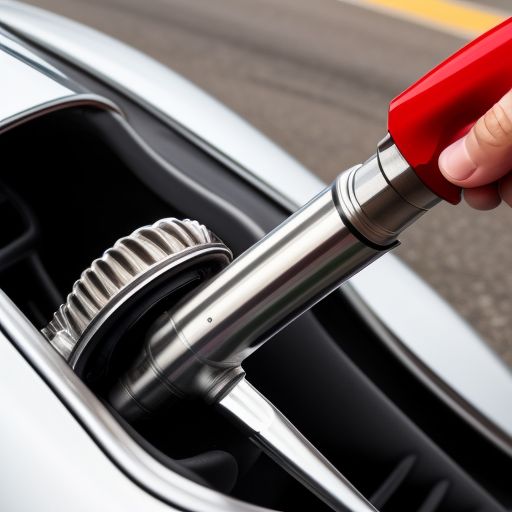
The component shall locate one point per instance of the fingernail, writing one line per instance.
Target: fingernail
(455, 161)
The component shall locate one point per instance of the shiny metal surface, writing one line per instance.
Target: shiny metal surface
(74, 101)
(407, 184)
(133, 261)
(124, 469)
(198, 347)
(31, 88)
(270, 284)
(171, 97)
(9, 45)
(270, 430)
(23, 88)
(48, 459)
(377, 198)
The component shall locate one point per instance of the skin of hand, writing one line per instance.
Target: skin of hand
(481, 162)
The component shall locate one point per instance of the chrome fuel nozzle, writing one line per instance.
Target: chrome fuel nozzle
(196, 349)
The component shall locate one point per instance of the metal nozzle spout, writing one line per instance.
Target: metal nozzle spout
(199, 347)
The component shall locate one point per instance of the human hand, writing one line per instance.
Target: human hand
(481, 162)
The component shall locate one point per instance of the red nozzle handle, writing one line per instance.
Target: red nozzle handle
(446, 102)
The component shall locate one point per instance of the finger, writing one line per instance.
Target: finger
(505, 189)
(484, 155)
(483, 198)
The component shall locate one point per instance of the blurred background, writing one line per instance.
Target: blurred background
(317, 77)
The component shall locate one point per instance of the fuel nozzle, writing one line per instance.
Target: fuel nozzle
(197, 347)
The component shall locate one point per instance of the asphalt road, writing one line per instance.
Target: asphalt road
(317, 76)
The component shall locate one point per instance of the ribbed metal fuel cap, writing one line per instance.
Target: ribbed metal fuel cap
(128, 280)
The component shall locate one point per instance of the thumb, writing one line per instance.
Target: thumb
(484, 155)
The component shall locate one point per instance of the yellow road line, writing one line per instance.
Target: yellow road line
(457, 17)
